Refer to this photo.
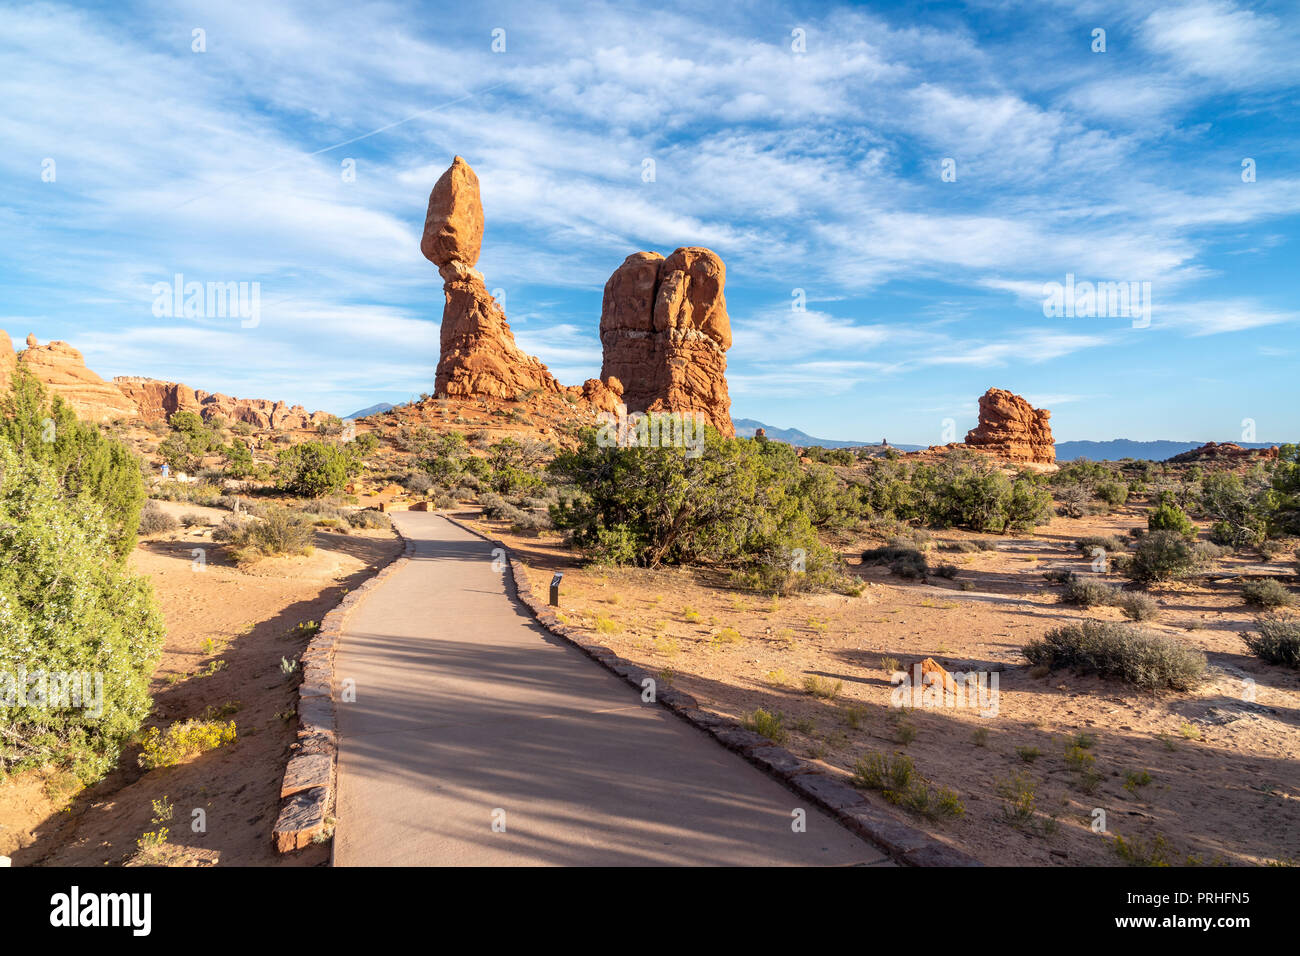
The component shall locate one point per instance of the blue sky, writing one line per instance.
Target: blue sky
(818, 170)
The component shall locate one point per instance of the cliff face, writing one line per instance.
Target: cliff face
(157, 401)
(61, 369)
(1011, 428)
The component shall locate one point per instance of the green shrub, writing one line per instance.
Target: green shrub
(1277, 640)
(897, 780)
(183, 740)
(369, 518)
(1162, 556)
(1137, 606)
(315, 469)
(771, 726)
(280, 531)
(738, 505)
(153, 520)
(1084, 593)
(1169, 517)
(1120, 651)
(1114, 493)
(68, 606)
(85, 463)
(1108, 543)
(1266, 593)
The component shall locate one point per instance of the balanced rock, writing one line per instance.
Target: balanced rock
(478, 351)
(1011, 428)
(8, 361)
(453, 226)
(665, 332)
(62, 370)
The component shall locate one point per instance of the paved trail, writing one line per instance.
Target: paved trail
(465, 707)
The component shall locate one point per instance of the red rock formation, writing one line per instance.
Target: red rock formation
(8, 361)
(1226, 452)
(665, 333)
(453, 226)
(158, 401)
(1012, 429)
(478, 355)
(62, 370)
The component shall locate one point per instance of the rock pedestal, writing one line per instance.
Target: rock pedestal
(478, 352)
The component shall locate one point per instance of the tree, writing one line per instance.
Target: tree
(72, 617)
(739, 504)
(86, 463)
(315, 469)
(239, 459)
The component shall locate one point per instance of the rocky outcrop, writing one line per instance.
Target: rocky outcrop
(478, 351)
(8, 361)
(62, 370)
(1011, 428)
(158, 401)
(665, 333)
(1226, 452)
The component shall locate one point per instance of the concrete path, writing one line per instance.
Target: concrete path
(468, 712)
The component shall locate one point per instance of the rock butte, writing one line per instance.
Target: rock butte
(665, 332)
(1011, 428)
(677, 310)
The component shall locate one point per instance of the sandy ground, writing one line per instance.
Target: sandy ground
(227, 630)
(1224, 780)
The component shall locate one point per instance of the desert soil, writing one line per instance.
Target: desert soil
(227, 631)
(1224, 786)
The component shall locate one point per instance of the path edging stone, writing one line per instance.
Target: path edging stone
(309, 786)
(903, 842)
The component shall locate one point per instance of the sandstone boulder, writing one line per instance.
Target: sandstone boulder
(1011, 428)
(62, 370)
(453, 226)
(665, 332)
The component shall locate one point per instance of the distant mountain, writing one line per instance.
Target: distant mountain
(372, 410)
(745, 428)
(1118, 448)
